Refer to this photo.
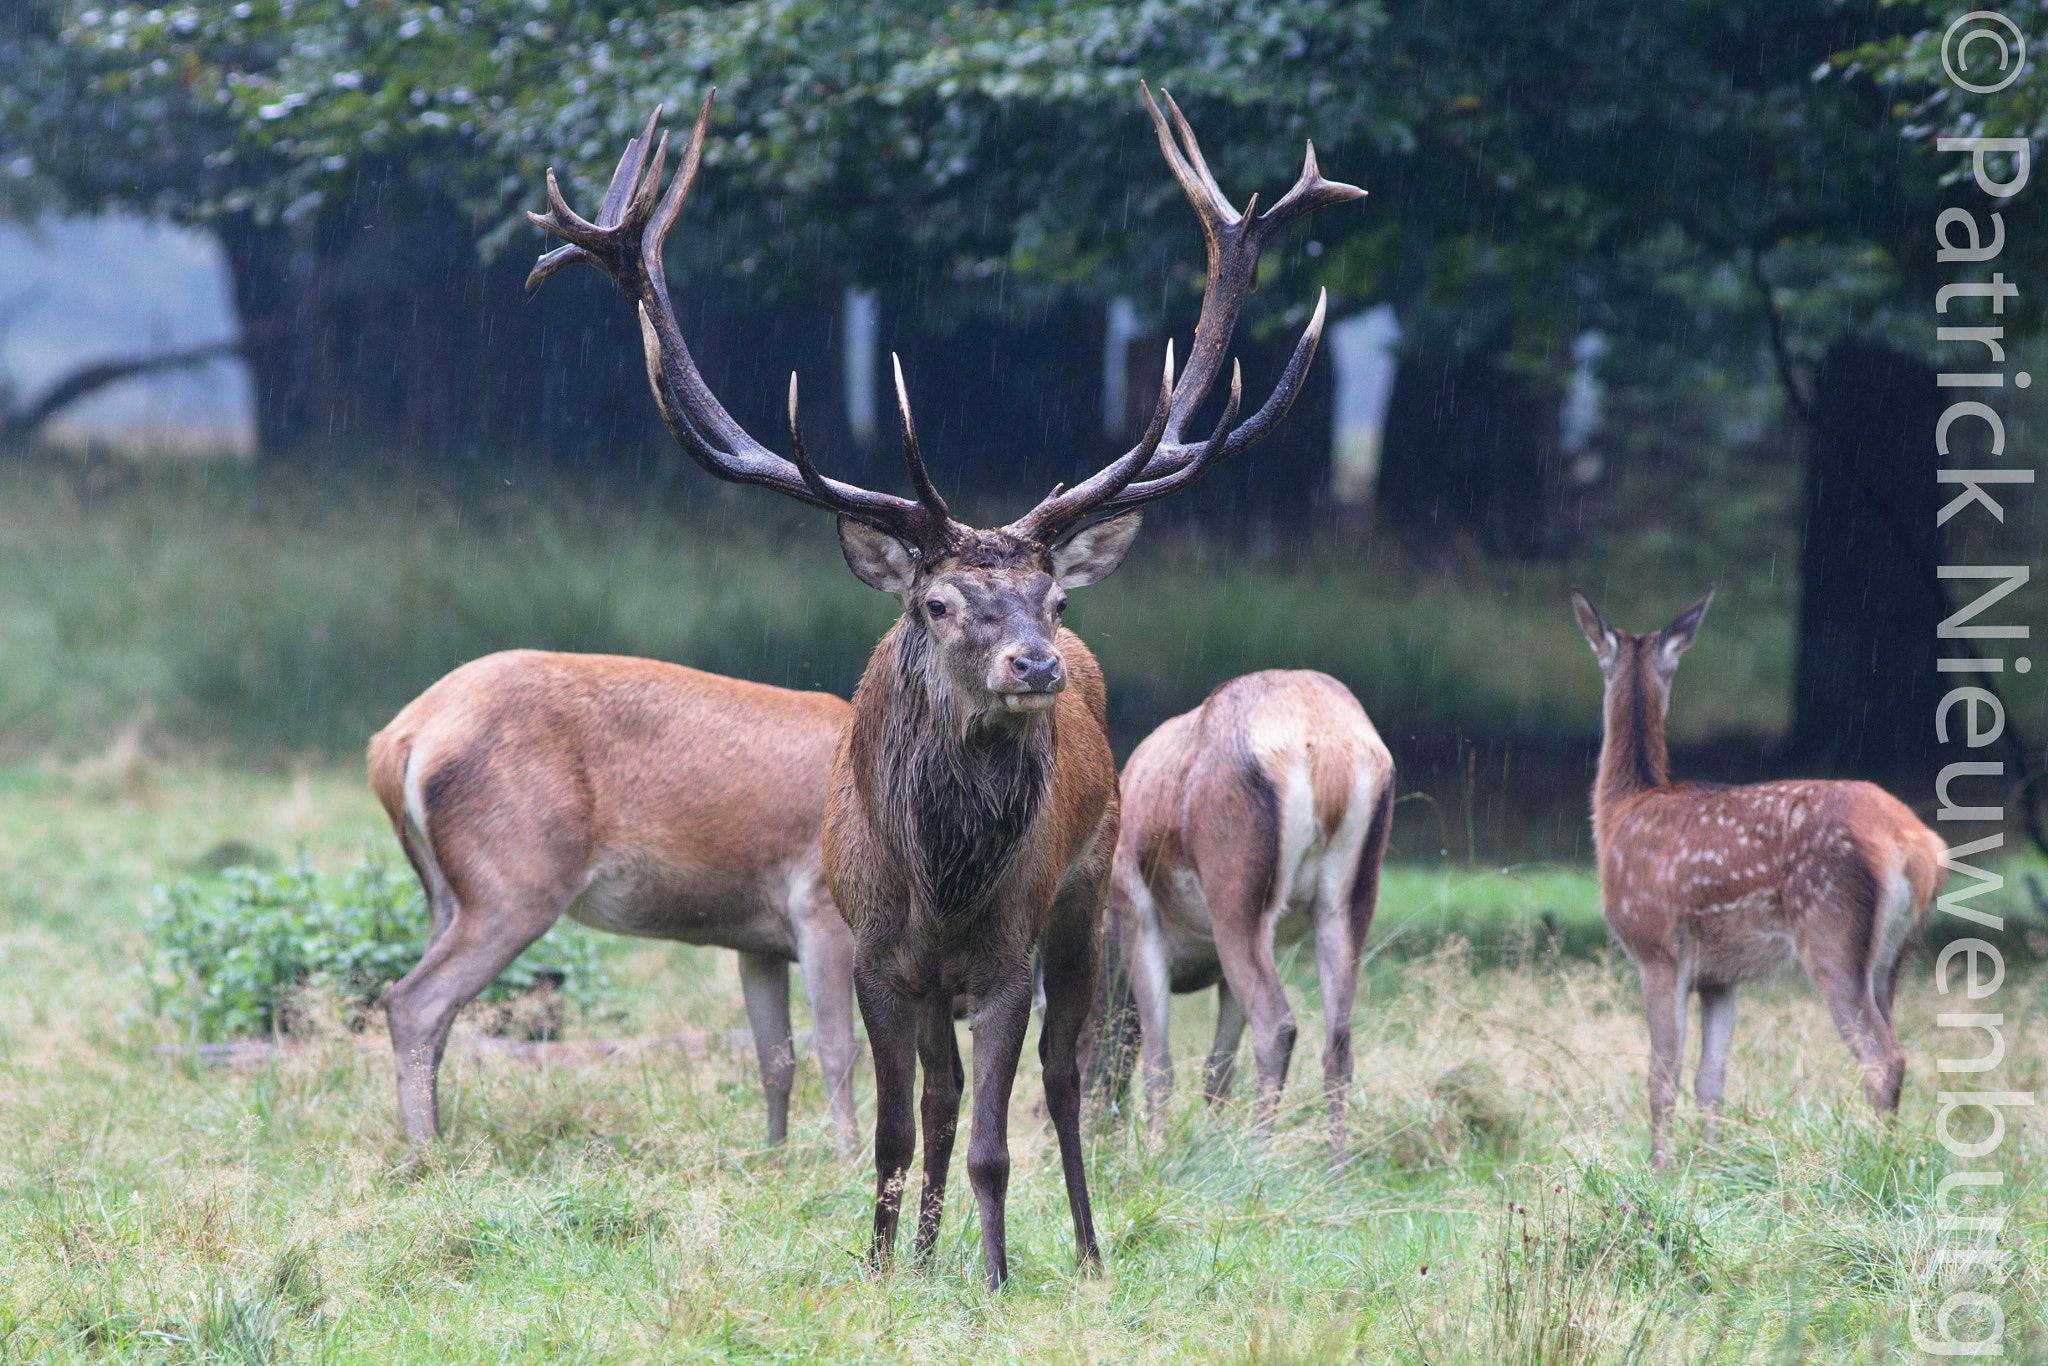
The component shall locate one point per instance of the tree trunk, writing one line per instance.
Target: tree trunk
(273, 302)
(1467, 446)
(1869, 599)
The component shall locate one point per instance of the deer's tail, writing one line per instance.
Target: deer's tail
(390, 750)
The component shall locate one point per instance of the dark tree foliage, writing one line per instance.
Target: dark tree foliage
(1685, 177)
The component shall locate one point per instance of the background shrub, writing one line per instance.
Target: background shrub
(233, 951)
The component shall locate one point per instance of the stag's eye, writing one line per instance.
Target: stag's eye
(1059, 605)
(936, 607)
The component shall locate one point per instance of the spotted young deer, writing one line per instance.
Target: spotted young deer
(973, 808)
(637, 797)
(1708, 886)
(1256, 819)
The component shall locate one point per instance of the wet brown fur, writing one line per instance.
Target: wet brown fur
(958, 837)
(1708, 886)
(639, 797)
(1258, 818)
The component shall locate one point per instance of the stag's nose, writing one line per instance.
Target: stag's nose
(1037, 670)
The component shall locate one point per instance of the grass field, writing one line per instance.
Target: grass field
(262, 611)
(1497, 1207)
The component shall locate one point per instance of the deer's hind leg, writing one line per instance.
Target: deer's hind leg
(1221, 1071)
(1237, 832)
(491, 925)
(1717, 1031)
(1143, 942)
(1337, 952)
(824, 955)
(1838, 965)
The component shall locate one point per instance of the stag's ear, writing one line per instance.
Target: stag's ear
(1672, 640)
(1606, 644)
(876, 558)
(1092, 554)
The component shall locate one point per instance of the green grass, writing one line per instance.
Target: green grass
(1497, 1207)
(208, 603)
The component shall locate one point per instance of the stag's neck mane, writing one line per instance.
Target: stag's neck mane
(1632, 755)
(959, 793)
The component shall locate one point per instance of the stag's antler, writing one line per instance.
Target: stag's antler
(1234, 241)
(625, 243)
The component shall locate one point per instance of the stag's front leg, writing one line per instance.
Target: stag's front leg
(998, 1043)
(938, 1053)
(892, 1034)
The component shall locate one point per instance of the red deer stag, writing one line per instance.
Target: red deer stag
(973, 804)
(1708, 886)
(1255, 819)
(638, 797)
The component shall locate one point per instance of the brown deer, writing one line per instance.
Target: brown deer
(973, 808)
(637, 797)
(1708, 886)
(1254, 820)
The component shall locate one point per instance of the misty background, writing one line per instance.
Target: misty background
(1640, 300)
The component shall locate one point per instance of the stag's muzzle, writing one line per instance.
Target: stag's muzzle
(1031, 680)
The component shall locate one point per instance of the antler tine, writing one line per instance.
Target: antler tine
(588, 241)
(641, 205)
(1260, 424)
(1193, 152)
(1191, 171)
(813, 481)
(921, 480)
(612, 209)
(1213, 451)
(1310, 192)
(686, 175)
(555, 260)
(586, 238)
(1234, 241)
(1061, 511)
(626, 244)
